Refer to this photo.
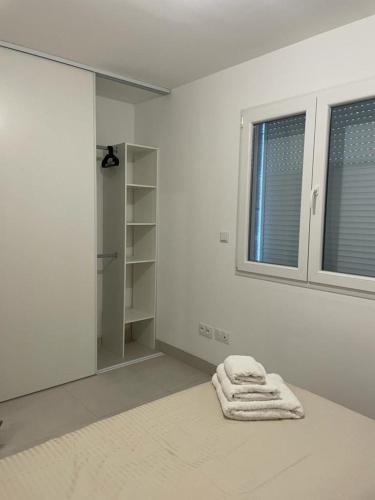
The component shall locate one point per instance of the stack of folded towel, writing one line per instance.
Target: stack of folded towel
(247, 392)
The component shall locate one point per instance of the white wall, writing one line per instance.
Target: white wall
(321, 341)
(114, 121)
(114, 125)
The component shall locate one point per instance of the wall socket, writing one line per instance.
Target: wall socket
(210, 332)
(206, 330)
(222, 336)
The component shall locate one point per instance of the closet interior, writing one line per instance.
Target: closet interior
(127, 245)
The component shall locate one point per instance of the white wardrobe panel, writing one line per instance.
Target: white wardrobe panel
(47, 224)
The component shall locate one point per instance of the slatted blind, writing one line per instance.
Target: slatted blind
(277, 164)
(349, 235)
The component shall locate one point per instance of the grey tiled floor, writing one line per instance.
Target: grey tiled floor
(133, 350)
(35, 418)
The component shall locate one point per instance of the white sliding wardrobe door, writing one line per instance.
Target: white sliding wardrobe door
(47, 224)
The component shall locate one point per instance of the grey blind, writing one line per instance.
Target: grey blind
(349, 235)
(277, 165)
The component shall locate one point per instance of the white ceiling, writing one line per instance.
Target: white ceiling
(169, 42)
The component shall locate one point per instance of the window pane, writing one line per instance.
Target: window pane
(349, 234)
(277, 165)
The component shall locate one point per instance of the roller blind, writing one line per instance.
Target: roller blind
(277, 164)
(349, 233)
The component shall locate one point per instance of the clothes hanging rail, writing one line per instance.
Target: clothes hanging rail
(112, 255)
(105, 148)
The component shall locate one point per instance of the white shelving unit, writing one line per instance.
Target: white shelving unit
(130, 228)
(141, 176)
(135, 260)
(133, 315)
(141, 224)
(140, 186)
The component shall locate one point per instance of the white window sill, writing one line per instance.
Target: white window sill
(309, 285)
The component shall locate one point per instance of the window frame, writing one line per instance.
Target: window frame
(249, 118)
(325, 101)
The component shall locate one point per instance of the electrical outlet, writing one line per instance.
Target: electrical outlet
(210, 330)
(206, 330)
(222, 336)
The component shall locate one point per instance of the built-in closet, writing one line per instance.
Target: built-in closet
(78, 267)
(127, 246)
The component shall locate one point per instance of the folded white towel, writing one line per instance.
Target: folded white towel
(246, 392)
(244, 370)
(287, 406)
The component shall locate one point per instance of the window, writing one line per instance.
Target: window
(342, 235)
(349, 233)
(307, 189)
(277, 163)
(275, 178)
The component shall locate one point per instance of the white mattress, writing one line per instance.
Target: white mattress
(181, 447)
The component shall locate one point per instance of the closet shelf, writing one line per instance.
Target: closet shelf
(140, 186)
(139, 260)
(133, 315)
(141, 223)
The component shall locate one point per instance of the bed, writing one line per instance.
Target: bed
(181, 447)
